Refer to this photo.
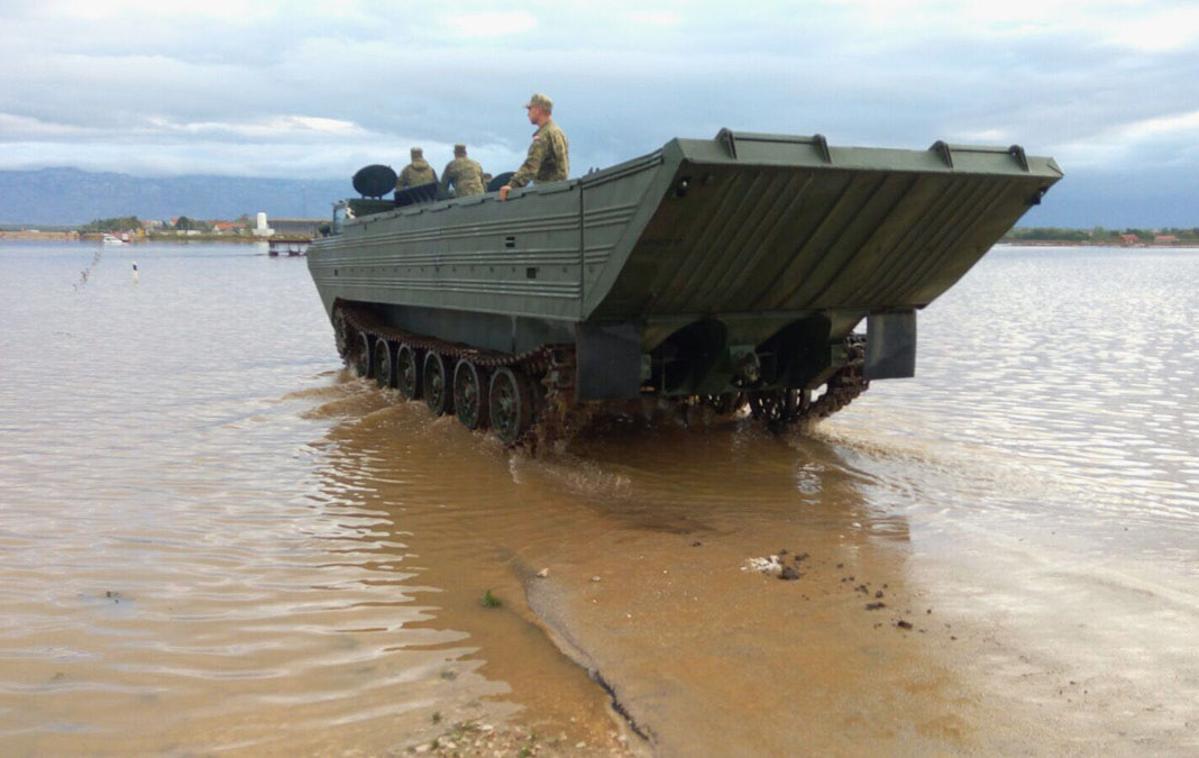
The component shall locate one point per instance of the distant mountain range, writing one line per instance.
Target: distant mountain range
(67, 196)
(1161, 197)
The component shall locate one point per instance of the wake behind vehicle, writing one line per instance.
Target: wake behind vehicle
(719, 272)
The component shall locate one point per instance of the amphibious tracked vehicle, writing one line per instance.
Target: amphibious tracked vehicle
(718, 272)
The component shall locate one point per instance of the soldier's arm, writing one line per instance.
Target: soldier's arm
(562, 153)
(444, 185)
(403, 183)
(532, 164)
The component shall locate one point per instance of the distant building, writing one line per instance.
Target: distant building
(1129, 239)
(297, 227)
(260, 227)
(1165, 239)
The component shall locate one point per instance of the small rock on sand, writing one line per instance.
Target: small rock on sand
(543, 573)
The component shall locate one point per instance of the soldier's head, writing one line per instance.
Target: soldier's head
(540, 108)
(459, 151)
(417, 153)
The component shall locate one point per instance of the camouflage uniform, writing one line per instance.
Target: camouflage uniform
(548, 160)
(417, 172)
(465, 174)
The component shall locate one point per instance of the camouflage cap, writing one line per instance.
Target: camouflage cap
(460, 149)
(541, 101)
(417, 152)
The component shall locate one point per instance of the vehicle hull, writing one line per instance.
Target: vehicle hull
(696, 260)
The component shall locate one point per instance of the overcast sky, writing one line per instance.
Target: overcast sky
(1108, 87)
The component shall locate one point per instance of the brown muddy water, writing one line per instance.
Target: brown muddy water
(212, 540)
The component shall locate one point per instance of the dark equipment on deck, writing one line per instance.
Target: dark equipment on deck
(375, 181)
(499, 181)
(421, 193)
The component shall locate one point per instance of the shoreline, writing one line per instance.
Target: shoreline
(75, 236)
(1076, 243)
(94, 237)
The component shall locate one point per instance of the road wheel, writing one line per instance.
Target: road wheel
(384, 365)
(408, 370)
(511, 404)
(470, 400)
(439, 395)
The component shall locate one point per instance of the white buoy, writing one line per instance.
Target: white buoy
(136, 276)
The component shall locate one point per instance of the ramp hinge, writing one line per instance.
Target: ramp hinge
(1017, 152)
(725, 135)
(941, 148)
(821, 145)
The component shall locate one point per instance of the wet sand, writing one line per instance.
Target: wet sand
(212, 540)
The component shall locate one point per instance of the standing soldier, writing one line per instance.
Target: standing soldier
(465, 174)
(417, 172)
(549, 155)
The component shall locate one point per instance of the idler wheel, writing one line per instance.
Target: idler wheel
(343, 333)
(470, 402)
(360, 355)
(384, 365)
(408, 372)
(439, 395)
(511, 402)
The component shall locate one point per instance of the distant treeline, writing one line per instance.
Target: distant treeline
(1102, 236)
(181, 224)
(119, 224)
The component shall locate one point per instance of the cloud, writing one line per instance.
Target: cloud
(488, 24)
(307, 88)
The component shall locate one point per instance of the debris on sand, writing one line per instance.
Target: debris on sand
(875, 606)
(903, 624)
(543, 573)
(768, 565)
(776, 564)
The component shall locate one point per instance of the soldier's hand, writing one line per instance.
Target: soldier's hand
(504, 191)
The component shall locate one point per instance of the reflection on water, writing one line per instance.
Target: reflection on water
(211, 538)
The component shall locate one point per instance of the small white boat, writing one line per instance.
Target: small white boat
(109, 239)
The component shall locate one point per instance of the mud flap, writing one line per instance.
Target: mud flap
(608, 361)
(891, 345)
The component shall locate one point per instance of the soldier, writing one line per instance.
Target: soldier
(549, 155)
(465, 174)
(417, 172)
